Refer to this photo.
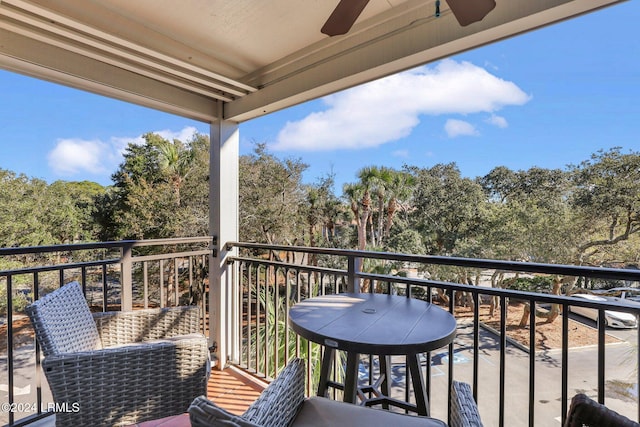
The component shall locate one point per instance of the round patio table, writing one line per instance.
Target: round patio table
(375, 324)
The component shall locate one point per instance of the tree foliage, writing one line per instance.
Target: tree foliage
(446, 208)
(606, 198)
(271, 197)
(527, 216)
(34, 213)
(146, 200)
(587, 213)
(374, 201)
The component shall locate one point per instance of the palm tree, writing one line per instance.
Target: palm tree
(388, 187)
(360, 202)
(176, 161)
(380, 179)
(399, 189)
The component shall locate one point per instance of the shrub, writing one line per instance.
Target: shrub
(541, 284)
(20, 300)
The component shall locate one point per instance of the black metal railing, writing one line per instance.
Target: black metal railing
(516, 381)
(120, 275)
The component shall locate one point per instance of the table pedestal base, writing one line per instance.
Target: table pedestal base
(379, 389)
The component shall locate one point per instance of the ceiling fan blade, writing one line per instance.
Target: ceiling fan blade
(470, 11)
(343, 17)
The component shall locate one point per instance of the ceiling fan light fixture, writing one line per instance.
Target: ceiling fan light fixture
(470, 11)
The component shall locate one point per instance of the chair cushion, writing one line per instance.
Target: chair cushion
(204, 413)
(63, 322)
(318, 411)
(181, 420)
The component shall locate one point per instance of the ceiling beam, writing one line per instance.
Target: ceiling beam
(51, 24)
(44, 61)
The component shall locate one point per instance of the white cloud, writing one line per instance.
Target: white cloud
(498, 121)
(73, 157)
(184, 135)
(401, 153)
(388, 109)
(456, 128)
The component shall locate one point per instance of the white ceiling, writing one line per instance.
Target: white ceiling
(239, 59)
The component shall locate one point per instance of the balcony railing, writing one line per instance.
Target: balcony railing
(120, 275)
(515, 382)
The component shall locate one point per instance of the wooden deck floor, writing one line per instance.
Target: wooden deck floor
(231, 389)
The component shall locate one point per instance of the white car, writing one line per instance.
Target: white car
(627, 294)
(614, 319)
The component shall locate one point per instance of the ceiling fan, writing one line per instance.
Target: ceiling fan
(347, 11)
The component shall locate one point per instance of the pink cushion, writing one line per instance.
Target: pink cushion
(181, 420)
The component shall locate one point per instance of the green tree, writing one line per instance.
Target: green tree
(324, 212)
(374, 200)
(607, 198)
(406, 241)
(527, 216)
(379, 179)
(446, 207)
(390, 188)
(400, 189)
(360, 201)
(23, 201)
(70, 215)
(271, 197)
(176, 160)
(194, 190)
(145, 201)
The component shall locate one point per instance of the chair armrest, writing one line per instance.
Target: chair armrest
(464, 411)
(585, 411)
(128, 384)
(277, 405)
(124, 327)
(280, 402)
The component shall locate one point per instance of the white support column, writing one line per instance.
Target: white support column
(223, 225)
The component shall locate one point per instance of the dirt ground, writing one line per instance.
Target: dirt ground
(22, 333)
(548, 335)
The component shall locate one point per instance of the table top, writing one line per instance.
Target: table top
(373, 323)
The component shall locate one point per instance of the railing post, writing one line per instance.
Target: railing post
(126, 281)
(354, 266)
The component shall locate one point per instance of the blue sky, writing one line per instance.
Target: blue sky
(547, 98)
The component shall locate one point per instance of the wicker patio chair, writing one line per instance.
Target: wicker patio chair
(464, 411)
(586, 412)
(283, 404)
(118, 368)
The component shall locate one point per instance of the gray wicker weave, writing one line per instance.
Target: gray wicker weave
(464, 411)
(585, 411)
(279, 403)
(283, 404)
(120, 368)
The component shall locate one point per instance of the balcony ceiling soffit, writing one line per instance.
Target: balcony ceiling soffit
(244, 58)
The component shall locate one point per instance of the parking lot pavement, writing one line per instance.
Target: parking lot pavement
(25, 384)
(582, 377)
